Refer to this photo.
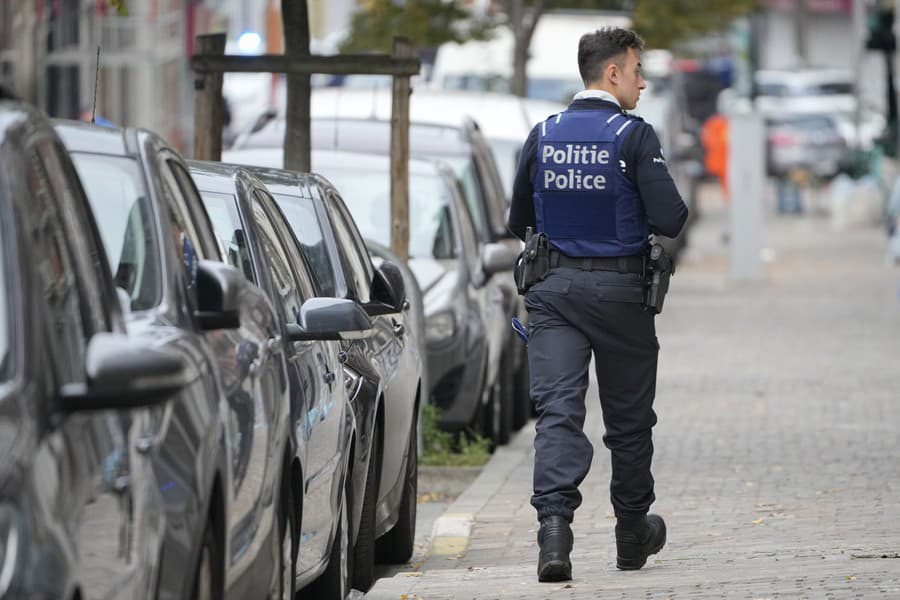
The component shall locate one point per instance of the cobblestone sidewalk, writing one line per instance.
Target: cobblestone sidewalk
(777, 451)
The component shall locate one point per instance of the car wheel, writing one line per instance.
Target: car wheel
(207, 575)
(284, 547)
(396, 546)
(334, 583)
(364, 550)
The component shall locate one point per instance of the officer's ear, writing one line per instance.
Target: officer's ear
(612, 72)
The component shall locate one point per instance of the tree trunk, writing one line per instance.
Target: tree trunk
(800, 28)
(295, 19)
(522, 22)
(25, 24)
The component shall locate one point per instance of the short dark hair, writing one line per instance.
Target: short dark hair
(597, 48)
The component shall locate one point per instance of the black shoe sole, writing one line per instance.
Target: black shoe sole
(555, 570)
(633, 564)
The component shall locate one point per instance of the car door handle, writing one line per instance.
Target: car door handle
(399, 328)
(145, 443)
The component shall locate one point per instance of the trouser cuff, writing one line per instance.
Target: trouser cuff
(555, 511)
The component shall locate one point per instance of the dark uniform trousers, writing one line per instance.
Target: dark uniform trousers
(572, 314)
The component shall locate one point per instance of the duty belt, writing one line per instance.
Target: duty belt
(621, 264)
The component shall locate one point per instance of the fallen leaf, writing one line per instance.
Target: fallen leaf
(758, 521)
(568, 586)
(851, 577)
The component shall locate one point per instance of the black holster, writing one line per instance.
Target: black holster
(659, 269)
(533, 262)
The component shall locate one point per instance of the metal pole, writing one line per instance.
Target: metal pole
(746, 183)
(859, 36)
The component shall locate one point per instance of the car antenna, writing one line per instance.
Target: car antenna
(96, 84)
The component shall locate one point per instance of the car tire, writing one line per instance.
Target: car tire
(364, 549)
(208, 584)
(285, 547)
(396, 546)
(334, 583)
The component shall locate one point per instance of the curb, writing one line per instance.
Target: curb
(452, 530)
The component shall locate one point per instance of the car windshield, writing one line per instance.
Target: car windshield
(367, 194)
(788, 90)
(118, 198)
(555, 90)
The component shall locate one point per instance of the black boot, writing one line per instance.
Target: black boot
(637, 538)
(555, 540)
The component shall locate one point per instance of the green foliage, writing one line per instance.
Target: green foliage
(120, 6)
(426, 23)
(664, 22)
(442, 449)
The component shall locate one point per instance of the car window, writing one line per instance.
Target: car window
(88, 256)
(229, 229)
(367, 195)
(302, 275)
(118, 198)
(467, 231)
(180, 230)
(472, 193)
(66, 316)
(301, 216)
(283, 283)
(7, 283)
(357, 265)
(199, 219)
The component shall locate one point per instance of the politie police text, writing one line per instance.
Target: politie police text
(573, 178)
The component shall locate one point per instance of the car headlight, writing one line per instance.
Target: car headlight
(439, 327)
(10, 545)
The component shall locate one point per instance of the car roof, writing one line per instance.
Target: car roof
(78, 136)
(369, 162)
(503, 116)
(211, 176)
(803, 76)
(373, 136)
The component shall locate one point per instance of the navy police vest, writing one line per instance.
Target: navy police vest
(582, 199)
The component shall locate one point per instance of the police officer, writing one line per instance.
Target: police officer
(594, 179)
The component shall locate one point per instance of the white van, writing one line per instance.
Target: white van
(553, 66)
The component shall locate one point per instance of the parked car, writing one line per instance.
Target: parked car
(465, 150)
(332, 413)
(805, 141)
(80, 510)
(504, 119)
(219, 449)
(342, 268)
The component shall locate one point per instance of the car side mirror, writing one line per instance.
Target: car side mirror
(330, 319)
(388, 291)
(219, 290)
(499, 256)
(122, 373)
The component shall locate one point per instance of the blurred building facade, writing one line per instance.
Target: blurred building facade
(48, 55)
(822, 34)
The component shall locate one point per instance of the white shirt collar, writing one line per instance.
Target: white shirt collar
(597, 94)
